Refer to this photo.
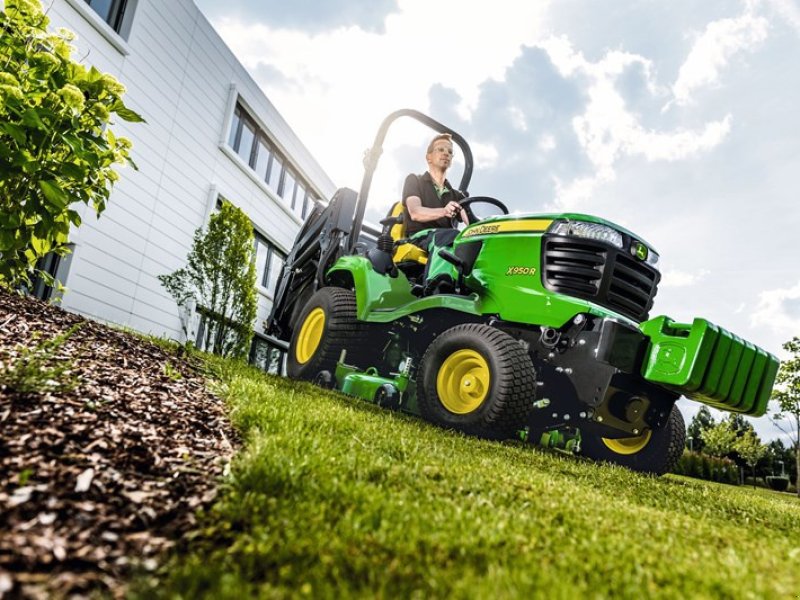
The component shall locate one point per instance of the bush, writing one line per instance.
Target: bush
(220, 279)
(55, 146)
(710, 468)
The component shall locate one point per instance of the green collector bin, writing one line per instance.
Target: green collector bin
(709, 364)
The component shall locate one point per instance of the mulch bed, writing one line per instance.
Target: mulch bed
(99, 480)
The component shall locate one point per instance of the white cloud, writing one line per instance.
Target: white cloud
(712, 51)
(779, 310)
(547, 143)
(673, 278)
(788, 11)
(518, 118)
(484, 155)
(344, 81)
(607, 130)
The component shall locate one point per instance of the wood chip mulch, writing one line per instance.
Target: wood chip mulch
(99, 480)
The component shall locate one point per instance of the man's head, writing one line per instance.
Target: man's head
(440, 151)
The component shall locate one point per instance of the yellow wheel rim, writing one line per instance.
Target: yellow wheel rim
(310, 335)
(463, 382)
(630, 445)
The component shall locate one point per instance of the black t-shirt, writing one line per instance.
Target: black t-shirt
(422, 186)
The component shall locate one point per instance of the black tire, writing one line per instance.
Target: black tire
(327, 325)
(478, 380)
(656, 455)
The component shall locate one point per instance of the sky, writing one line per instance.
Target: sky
(677, 120)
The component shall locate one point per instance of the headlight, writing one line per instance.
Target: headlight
(652, 260)
(593, 231)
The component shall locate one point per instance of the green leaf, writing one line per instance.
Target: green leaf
(10, 220)
(56, 196)
(128, 115)
(73, 171)
(7, 239)
(41, 246)
(74, 143)
(94, 75)
(15, 131)
(31, 118)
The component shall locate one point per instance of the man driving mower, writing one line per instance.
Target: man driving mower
(431, 205)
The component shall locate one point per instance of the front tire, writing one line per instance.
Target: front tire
(476, 379)
(655, 452)
(327, 325)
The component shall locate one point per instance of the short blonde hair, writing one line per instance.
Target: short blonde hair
(441, 136)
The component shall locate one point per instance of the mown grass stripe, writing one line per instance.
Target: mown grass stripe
(333, 497)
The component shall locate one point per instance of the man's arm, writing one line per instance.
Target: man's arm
(423, 214)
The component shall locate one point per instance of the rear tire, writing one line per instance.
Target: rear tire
(656, 452)
(327, 325)
(476, 379)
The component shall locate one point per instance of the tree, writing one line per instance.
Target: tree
(55, 147)
(751, 450)
(719, 439)
(700, 422)
(220, 277)
(787, 395)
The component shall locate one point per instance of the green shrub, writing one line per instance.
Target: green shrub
(710, 468)
(55, 146)
(220, 278)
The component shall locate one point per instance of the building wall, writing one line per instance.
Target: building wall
(184, 81)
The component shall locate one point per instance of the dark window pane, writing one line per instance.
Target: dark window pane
(111, 11)
(262, 259)
(39, 288)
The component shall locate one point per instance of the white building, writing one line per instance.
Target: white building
(211, 133)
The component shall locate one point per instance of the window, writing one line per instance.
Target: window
(287, 189)
(246, 138)
(263, 155)
(275, 170)
(236, 125)
(39, 288)
(256, 149)
(111, 11)
(299, 198)
(269, 262)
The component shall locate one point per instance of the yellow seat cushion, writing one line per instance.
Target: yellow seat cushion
(405, 252)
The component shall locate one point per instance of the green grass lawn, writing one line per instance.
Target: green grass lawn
(332, 497)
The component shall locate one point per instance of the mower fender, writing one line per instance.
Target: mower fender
(383, 299)
(373, 290)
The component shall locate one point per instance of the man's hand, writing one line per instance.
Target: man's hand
(452, 209)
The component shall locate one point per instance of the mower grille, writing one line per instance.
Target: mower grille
(599, 272)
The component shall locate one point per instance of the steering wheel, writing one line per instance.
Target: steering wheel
(466, 203)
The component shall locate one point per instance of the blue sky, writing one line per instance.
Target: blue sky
(678, 120)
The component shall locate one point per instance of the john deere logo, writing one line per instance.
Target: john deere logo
(639, 250)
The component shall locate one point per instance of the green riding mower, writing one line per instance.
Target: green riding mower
(535, 326)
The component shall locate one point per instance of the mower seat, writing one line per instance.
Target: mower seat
(404, 253)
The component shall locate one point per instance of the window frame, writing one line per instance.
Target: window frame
(274, 180)
(116, 13)
(118, 36)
